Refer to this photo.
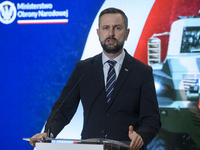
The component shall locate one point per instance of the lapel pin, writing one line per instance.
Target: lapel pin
(126, 69)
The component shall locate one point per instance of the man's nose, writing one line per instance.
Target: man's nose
(111, 32)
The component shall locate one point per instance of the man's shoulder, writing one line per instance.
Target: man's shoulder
(90, 60)
(136, 62)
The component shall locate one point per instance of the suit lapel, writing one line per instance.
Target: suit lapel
(99, 76)
(98, 71)
(124, 72)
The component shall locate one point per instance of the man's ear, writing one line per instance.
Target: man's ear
(98, 32)
(127, 33)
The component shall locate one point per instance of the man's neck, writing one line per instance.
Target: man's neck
(112, 56)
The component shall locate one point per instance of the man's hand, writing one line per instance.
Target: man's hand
(39, 135)
(136, 139)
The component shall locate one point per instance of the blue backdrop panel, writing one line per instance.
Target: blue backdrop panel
(36, 61)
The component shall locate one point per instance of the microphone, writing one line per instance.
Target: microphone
(49, 129)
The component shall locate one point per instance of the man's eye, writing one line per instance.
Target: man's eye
(105, 28)
(118, 28)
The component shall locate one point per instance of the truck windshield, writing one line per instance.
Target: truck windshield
(190, 40)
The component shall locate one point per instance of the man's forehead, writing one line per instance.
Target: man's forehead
(111, 19)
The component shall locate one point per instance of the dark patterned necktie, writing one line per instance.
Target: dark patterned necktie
(111, 78)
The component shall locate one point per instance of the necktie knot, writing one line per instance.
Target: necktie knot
(111, 63)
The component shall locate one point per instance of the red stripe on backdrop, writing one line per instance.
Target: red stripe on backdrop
(42, 23)
(161, 16)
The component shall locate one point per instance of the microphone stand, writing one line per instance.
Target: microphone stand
(49, 129)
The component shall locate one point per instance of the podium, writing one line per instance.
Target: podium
(74, 144)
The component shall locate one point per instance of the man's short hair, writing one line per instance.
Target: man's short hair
(112, 10)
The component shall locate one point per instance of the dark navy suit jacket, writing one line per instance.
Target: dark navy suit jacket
(133, 101)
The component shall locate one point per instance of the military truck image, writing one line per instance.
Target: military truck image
(177, 82)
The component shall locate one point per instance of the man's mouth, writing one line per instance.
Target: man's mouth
(111, 41)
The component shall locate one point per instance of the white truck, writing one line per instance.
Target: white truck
(177, 81)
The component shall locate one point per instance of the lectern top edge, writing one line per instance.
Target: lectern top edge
(84, 141)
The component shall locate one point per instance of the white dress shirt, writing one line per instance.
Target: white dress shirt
(117, 66)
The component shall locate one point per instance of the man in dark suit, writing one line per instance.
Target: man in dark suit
(123, 107)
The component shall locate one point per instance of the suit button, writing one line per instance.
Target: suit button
(102, 131)
(107, 115)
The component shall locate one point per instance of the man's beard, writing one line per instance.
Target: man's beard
(113, 49)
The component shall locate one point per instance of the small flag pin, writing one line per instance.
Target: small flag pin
(126, 69)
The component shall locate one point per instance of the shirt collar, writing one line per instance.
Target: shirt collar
(119, 59)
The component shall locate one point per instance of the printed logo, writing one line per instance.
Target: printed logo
(31, 13)
(7, 12)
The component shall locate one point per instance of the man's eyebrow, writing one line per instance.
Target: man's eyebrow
(111, 25)
(118, 25)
